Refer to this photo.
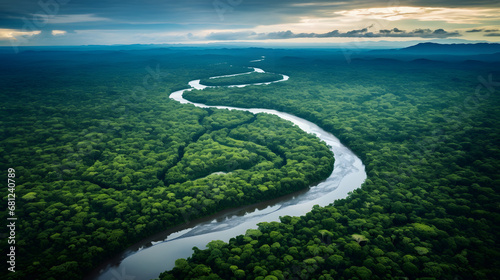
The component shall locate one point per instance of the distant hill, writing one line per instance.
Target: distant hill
(486, 52)
(453, 49)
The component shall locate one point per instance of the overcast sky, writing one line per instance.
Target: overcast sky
(103, 22)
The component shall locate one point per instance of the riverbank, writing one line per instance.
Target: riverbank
(148, 262)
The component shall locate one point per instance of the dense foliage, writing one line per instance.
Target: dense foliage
(103, 157)
(252, 78)
(428, 133)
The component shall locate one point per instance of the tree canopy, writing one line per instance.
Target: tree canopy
(428, 135)
(104, 158)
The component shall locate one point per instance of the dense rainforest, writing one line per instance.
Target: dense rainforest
(103, 158)
(428, 132)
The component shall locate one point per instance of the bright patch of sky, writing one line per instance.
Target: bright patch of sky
(84, 22)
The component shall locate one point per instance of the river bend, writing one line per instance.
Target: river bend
(150, 257)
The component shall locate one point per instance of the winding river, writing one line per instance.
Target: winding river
(148, 258)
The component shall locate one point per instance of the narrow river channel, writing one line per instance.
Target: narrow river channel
(150, 257)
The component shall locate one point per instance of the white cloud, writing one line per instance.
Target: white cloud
(58, 32)
(13, 34)
(383, 18)
(62, 19)
(449, 15)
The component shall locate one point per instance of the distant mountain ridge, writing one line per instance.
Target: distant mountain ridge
(434, 48)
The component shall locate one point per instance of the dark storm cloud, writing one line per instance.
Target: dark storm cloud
(148, 19)
(481, 30)
(109, 14)
(222, 12)
(395, 30)
(492, 34)
(360, 33)
(474, 30)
